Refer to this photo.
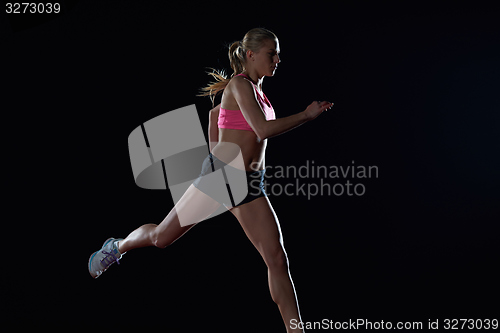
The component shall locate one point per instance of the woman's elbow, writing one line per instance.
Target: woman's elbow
(215, 110)
(214, 114)
(261, 132)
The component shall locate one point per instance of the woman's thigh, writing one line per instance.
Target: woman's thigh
(261, 225)
(193, 207)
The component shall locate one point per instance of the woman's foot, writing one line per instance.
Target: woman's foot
(100, 260)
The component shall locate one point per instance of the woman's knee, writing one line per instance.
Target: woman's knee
(158, 240)
(161, 243)
(276, 260)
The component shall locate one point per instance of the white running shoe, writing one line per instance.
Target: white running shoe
(100, 260)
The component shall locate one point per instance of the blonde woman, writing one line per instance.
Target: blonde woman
(244, 118)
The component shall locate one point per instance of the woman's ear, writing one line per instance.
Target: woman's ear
(250, 55)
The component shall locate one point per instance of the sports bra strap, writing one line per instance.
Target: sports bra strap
(261, 95)
(247, 77)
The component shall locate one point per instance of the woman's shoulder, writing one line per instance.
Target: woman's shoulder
(238, 79)
(239, 83)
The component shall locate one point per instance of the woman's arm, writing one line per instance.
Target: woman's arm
(247, 101)
(213, 129)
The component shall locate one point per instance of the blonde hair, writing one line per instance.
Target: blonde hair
(253, 40)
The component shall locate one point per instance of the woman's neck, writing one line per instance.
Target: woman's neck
(255, 78)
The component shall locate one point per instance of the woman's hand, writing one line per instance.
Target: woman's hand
(316, 108)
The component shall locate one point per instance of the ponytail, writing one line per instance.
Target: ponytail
(214, 88)
(237, 55)
(236, 60)
(253, 40)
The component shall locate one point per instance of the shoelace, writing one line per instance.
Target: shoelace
(109, 259)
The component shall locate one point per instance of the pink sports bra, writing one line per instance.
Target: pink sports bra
(234, 119)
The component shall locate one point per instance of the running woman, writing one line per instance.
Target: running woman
(246, 118)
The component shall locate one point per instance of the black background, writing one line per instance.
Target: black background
(416, 93)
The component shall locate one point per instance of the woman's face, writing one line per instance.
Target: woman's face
(267, 59)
